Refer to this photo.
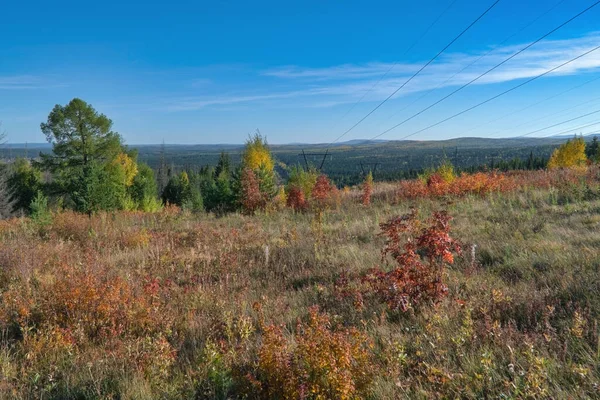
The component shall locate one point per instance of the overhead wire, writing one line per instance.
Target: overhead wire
(418, 72)
(487, 72)
(491, 98)
(382, 77)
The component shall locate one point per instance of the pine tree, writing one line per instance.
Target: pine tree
(592, 150)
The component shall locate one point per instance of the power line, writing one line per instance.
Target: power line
(490, 70)
(593, 132)
(396, 62)
(562, 132)
(477, 59)
(493, 97)
(418, 72)
(547, 116)
(560, 123)
(532, 105)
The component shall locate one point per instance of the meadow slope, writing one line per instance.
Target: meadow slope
(281, 305)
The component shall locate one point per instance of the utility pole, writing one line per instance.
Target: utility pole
(363, 165)
(324, 155)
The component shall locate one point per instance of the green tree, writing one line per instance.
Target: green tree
(175, 190)
(305, 180)
(184, 192)
(144, 189)
(79, 136)
(24, 182)
(85, 157)
(224, 164)
(592, 150)
(96, 188)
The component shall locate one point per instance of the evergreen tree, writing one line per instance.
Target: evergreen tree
(24, 182)
(97, 188)
(224, 164)
(89, 161)
(592, 150)
(144, 190)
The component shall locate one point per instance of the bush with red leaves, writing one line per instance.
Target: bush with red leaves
(367, 190)
(421, 255)
(296, 199)
(251, 197)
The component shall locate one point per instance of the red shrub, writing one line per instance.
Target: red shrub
(251, 197)
(421, 255)
(367, 190)
(321, 192)
(296, 199)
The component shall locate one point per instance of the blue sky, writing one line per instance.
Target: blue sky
(212, 72)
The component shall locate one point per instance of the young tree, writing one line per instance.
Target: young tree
(96, 188)
(251, 197)
(7, 203)
(184, 192)
(592, 150)
(305, 180)
(24, 182)
(144, 189)
(176, 190)
(224, 165)
(257, 155)
(257, 158)
(571, 154)
(367, 189)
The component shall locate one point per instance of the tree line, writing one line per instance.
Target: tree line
(90, 169)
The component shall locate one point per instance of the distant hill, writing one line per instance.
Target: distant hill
(346, 161)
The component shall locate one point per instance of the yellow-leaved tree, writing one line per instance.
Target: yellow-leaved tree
(258, 164)
(257, 154)
(569, 155)
(128, 166)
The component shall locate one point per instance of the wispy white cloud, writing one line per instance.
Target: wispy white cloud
(327, 87)
(26, 82)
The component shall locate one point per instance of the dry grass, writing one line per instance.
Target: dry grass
(146, 306)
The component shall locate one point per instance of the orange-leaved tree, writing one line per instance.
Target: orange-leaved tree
(251, 197)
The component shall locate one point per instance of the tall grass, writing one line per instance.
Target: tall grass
(134, 305)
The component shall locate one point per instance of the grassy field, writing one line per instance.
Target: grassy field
(286, 305)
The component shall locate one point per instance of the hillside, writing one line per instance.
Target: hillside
(138, 305)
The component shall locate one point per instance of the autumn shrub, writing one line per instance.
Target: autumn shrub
(71, 225)
(322, 362)
(250, 197)
(367, 189)
(278, 202)
(303, 179)
(421, 255)
(296, 199)
(136, 239)
(91, 305)
(321, 193)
